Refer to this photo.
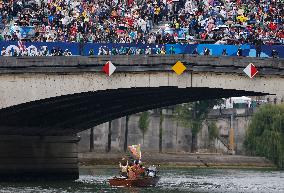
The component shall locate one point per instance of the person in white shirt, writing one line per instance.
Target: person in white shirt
(3, 52)
(33, 52)
(67, 53)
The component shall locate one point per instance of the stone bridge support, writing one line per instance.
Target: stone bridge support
(38, 158)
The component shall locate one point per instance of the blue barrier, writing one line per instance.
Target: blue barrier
(216, 50)
(121, 48)
(85, 48)
(72, 47)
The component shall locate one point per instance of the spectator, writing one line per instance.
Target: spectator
(258, 44)
(240, 52)
(163, 50)
(206, 52)
(67, 53)
(33, 52)
(53, 51)
(112, 21)
(172, 50)
(91, 52)
(274, 54)
(195, 52)
(3, 52)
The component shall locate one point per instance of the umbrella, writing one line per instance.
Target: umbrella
(122, 27)
(120, 31)
(27, 10)
(239, 26)
(220, 16)
(222, 26)
(242, 18)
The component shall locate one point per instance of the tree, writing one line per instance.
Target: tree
(109, 137)
(144, 123)
(265, 135)
(213, 132)
(92, 139)
(126, 133)
(192, 115)
(161, 131)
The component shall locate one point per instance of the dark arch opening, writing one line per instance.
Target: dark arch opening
(70, 114)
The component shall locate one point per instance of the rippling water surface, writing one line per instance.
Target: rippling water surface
(172, 180)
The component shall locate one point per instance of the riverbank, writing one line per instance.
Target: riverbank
(179, 160)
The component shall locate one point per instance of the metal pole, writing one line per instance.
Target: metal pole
(126, 133)
(231, 136)
(109, 137)
(92, 139)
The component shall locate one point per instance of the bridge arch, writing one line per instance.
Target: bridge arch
(45, 101)
(70, 114)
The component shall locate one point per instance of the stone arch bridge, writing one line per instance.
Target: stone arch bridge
(46, 101)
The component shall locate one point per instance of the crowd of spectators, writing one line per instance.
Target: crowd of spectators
(233, 21)
(96, 21)
(132, 21)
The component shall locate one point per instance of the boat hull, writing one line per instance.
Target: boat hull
(140, 182)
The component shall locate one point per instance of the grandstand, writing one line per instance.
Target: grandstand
(160, 22)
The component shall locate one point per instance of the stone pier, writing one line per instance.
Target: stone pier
(38, 158)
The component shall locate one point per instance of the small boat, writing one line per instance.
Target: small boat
(139, 182)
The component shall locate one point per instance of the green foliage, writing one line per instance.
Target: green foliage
(144, 122)
(265, 136)
(213, 131)
(191, 115)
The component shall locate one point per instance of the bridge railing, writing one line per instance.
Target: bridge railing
(140, 63)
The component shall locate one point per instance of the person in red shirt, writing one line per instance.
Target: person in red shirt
(272, 26)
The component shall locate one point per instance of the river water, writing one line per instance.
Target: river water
(172, 180)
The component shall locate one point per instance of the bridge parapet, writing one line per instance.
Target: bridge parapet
(140, 63)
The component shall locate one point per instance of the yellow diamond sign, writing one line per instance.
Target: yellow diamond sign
(179, 68)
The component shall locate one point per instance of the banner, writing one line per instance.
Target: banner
(87, 49)
(231, 50)
(11, 46)
(120, 49)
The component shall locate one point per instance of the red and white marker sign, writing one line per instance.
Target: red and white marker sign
(109, 68)
(251, 70)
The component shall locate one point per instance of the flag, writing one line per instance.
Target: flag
(21, 45)
(136, 151)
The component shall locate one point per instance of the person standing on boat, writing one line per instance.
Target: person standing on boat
(136, 165)
(152, 171)
(123, 168)
(131, 173)
(141, 170)
(138, 169)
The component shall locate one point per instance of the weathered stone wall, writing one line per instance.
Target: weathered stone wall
(38, 158)
(175, 137)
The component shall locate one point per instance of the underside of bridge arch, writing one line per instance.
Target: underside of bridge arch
(70, 114)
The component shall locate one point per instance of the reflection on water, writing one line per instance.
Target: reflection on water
(172, 180)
